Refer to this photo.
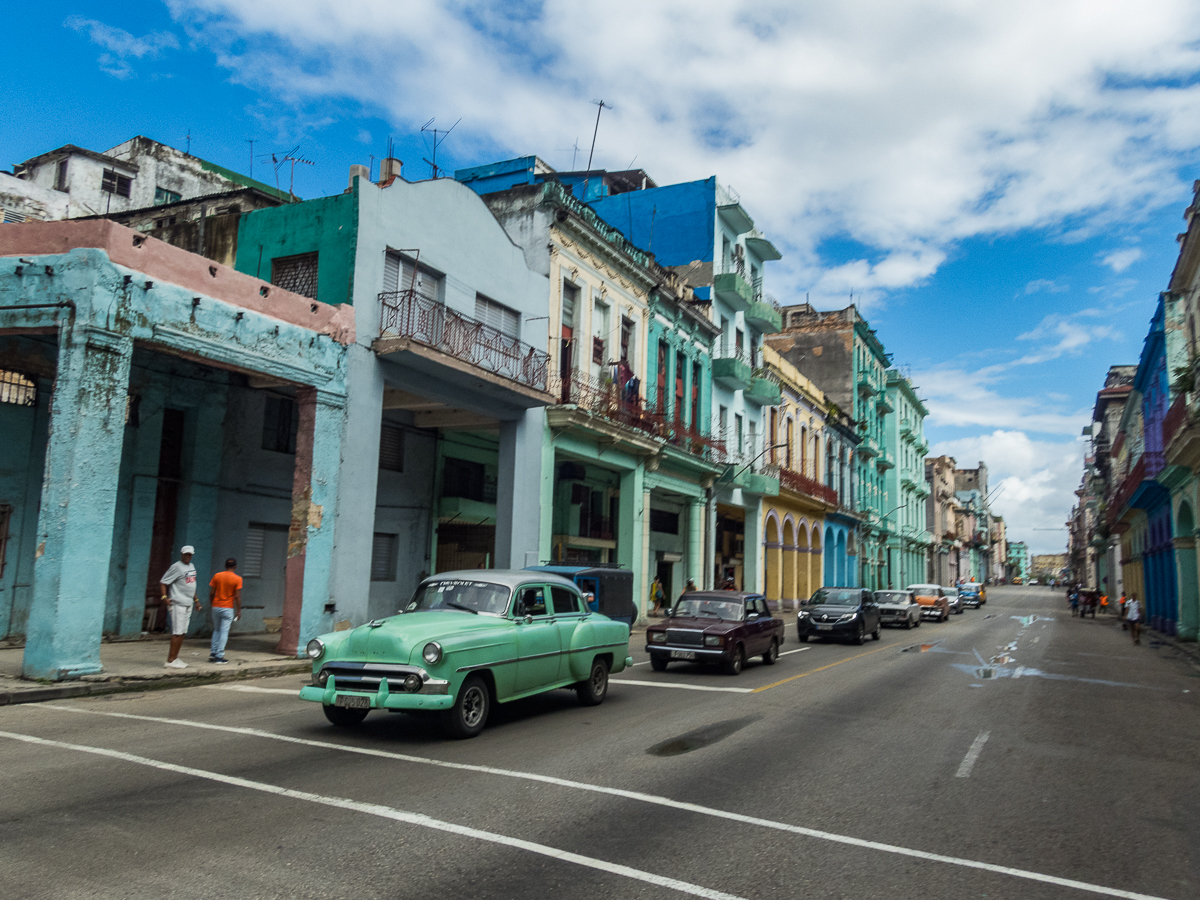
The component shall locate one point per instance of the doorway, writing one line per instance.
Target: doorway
(264, 576)
(166, 510)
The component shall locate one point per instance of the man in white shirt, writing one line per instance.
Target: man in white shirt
(1133, 615)
(179, 587)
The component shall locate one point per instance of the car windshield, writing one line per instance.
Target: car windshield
(834, 597)
(891, 597)
(727, 610)
(469, 596)
(950, 592)
(924, 588)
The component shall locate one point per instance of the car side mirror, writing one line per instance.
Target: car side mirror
(528, 618)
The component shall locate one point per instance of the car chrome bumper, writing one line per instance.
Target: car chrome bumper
(702, 653)
(433, 694)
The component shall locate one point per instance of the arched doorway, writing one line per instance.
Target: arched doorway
(829, 575)
(774, 562)
(840, 553)
(789, 560)
(1185, 563)
(804, 564)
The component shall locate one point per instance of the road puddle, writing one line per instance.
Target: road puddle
(920, 648)
(701, 737)
(992, 673)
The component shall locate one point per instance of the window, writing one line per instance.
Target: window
(280, 421)
(532, 602)
(737, 424)
(402, 274)
(600, 339)
(383, 557)
(662, 376)
(467, 479)
(570, 304)
(664, 521)
(489, 312)
(565, 601)
(696, 396)
(391, 448)
(60, 175)
(162, 195)
(164, 221)
(12, 217)
(722, 421)
(753, 437)
(252, 555)
(113, 182)
(739, 338)
(680, 369)
(16, 389)
(626, 337)
(297, 274)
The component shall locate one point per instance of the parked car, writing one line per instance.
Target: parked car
(839, 612)
(466, 641)
(954, 600)
(973, 594)
(932, 598)
(898, 608)
(721, 627)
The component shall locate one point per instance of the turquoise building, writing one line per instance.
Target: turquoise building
(908, 540)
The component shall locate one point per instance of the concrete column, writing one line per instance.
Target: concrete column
(632, 508)
(307, 596)
(78, 505)
(752, 567)
(143, 492)
(696, 562)
(519, 491)
(199, 491)
(357, 485)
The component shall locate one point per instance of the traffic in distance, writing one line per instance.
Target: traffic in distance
(469, 640)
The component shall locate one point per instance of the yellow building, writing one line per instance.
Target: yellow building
(794, 521)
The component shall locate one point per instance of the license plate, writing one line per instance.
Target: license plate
(682, 654)
(824, 628)
(352, 702)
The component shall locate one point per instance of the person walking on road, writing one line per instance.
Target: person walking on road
(1133, 615)
(657, 596)
(179, 589)
(225, 595)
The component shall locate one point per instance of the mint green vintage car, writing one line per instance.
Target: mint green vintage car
(467, 640)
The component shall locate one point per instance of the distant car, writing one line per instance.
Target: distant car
(839, 612)
(972, 594)
(465, 641)
(898, 608)
(932, 598)
(721, 627)
(954, 600)
(1033, 581)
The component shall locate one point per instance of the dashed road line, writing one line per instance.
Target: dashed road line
(798, 650)
(250, 689)
(696, 808)
(682, 687)
(968, 763)
(387, 812)
(820, 669)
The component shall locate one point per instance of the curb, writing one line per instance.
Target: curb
(117, 686)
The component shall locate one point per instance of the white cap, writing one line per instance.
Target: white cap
(187, 548)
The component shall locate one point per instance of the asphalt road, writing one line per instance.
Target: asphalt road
(997, 755)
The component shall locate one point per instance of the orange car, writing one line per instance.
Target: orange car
(932, 598)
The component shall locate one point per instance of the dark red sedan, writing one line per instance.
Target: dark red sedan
(719, 627)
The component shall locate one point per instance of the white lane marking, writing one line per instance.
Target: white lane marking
(681, 687)
(250, 689)
(968, 763)
(628, 795)
(798, 650)
(387, 812)
(1036, 639)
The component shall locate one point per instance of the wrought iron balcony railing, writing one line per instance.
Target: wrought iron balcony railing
(802, 484)
(413, 315)
(606, 397)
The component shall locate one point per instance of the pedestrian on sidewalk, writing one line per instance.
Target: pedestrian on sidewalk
(1133, 615)
(1104, 605)
(657, 596)
(179, 589)
(1121, 611)
(225, 595)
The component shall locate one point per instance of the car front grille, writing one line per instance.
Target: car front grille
(685, 638)
(368, 678)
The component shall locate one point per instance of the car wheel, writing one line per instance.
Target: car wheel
(734, 666)
(802, 636)
(946, 616)
(860, 635)
(593, 691)
(344, 717)
(469, 713)
(772, 653)
(877, 633)
(908, 623)
(917, 622)
(658, 663)
(959, 611)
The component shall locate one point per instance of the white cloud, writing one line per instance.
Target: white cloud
(965, 399)
(906, 126)
(120, 45)
(1120, 260)
(1032, 482)
(1067, 333)
(1038, 285)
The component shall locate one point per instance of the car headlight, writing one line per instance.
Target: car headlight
(315, 649)
(849, 617)
(803, 614)
(658, 637)
(713, 640)
(432, 653)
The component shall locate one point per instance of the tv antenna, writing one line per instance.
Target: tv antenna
(251, 143)
(436, 141)
(601, 106)
(574, 148)
(278, 160)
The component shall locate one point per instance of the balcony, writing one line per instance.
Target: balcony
(868, 447)
(865, 386)
(763, 315)
(883, 404)
(687, 438)
(734, 290)
(1175, 419)
(885, 461)
(610, 401)
(764, 390)
(810, 487)
(732, 372)
(409, 314)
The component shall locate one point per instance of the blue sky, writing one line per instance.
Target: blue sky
(1003, 202)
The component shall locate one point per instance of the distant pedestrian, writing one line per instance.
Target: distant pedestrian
(225, 595)
(690, 586)
(179, 588)
(1104, 605)
(657, 596)
(1133, 615)
(730, 584)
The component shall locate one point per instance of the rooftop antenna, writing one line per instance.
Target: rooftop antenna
(601, 106)
(371, 168)
(574, 148)
(251, 143)
(188, 151)
(436, 141)
(278, 160)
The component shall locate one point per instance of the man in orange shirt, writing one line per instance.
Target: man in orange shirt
(225, 595)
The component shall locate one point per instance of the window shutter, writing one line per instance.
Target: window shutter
(498, 316)
(252, 558)
(383, 557)
(297, 274)
(391, 448)
(391, 273)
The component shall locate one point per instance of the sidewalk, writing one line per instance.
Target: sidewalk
(138, 666)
